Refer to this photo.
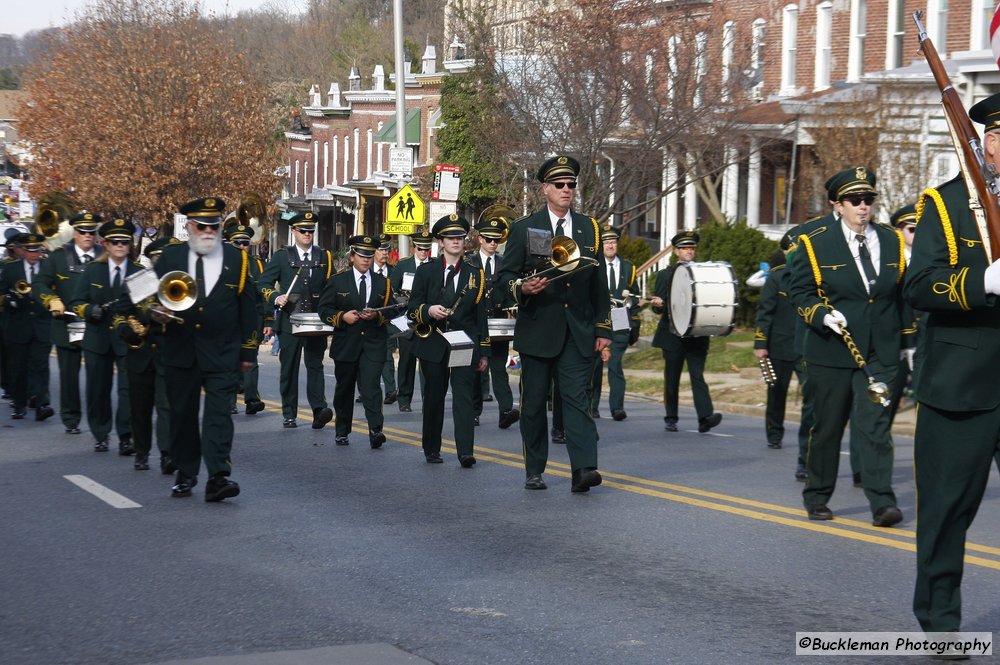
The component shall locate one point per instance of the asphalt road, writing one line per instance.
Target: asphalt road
(695, 550)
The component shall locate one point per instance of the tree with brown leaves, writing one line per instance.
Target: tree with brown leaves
(144, 105)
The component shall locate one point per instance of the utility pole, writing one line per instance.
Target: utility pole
(397, 33)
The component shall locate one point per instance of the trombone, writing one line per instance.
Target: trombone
(565, 261)
(177, 292)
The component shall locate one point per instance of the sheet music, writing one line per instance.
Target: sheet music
(142, 285)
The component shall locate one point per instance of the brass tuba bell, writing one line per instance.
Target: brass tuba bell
(54, 209)
(503, 214)
(177, 291)
(252, 213)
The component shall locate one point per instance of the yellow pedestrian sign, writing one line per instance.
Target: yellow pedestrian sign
(405, 207)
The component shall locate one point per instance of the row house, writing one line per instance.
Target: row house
(338, 147)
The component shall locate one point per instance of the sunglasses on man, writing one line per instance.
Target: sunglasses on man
(85, 233)
(241, 243)
(560, 185)
(119, 241)
(206, 227)
(857, 199)
(491, 241)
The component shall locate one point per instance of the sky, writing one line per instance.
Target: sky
(18, 17)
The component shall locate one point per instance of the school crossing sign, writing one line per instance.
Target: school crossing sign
(404, 212)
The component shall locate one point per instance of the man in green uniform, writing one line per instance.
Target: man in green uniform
(952, 278)
(448, 296)
(380, 266)
(27, 329)
(292, 282)
(217, 340)
(560, 324)
(849, 276)
(678, 350)
(904, 220)
(402, 283)
(57, 279)
(491, 233)
(99, 297)
(239, 236)
(358, 346)
(621, 278)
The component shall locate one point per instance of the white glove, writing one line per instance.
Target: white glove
(835, 321)
(906, 356)
(992, 278)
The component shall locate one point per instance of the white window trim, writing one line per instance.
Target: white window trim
(701, 66)
(357, 150)
(369, 146)
(756, 51)
(855, 52)
(315, 164)
(728, 44)
(326, 164)
(297, 170)
(980, 26)
(336, 158)
(824, 46)
(347, 161)
(789, 48)
(934, 27)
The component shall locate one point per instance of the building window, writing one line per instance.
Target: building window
(672, 45)
(335, 160)
(728, 40)
(701, 65)
(305, 179)
(895, 42)
(369, 148)
(789, 46)
(326, 163)
(652, 196)
(756, 78)
(357, 151)
(824, 45)
(937, 25)
(856, 49)
(347, 160)
(315, 162)
(982, 15)
(625, 100)
(297, 167)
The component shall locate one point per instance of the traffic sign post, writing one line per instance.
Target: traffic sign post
(446, 182)
(401, 162)
(399, 229)
(405, 207)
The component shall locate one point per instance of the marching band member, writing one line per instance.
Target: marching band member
(57, 279)
(559, 327)
(99, 296)
(239, 236)
(380, 266)
(358, 346)
(402, 282)
(448, 295)
(310, 267)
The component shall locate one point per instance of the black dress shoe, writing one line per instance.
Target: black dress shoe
(708, 422)
(774, 445)
(534, 481)
(72, 429)
(671, 426)
(487, 398)
(376, 439)
(585, 478)
(405, 408)
(255, 406)
(618, 415)
(434, 458)
(358, 400)
(596, 415)
(233, 410)
(32, 402)
(183, 485)
(390, 397)
(43, 412)
(558, 436)
(800, 473)
(321, 417)
(125, 447)
(475, 421)
(141, 463)
(341, 441)
(5, 395)
(819, 511)
(167, 465)
(101, 446)
(887, 516)
(508, 418)
(289, 423)
(220, 487)
(856, 478)
(467, 461)
(19, 414)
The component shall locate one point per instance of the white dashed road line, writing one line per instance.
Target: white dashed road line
(110, 497)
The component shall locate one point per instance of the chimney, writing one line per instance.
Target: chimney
(429, 61)
(407, 63)
(456, 50)
(378, 79)
(333, 96)
(354, 80)
(316, 99)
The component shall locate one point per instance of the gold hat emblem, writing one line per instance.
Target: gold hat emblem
(367, 239)
(561, 160)
(453, 217)
(119, 222)
(493, 223)
(88, 217)
(209, 203)
(861, 173)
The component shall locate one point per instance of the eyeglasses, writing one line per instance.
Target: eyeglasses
(241, 243)
(206, 227)
(857, 200)
(303, 231)
(910, 228)
(490, 241)
(560, 185)
(85, 233)
(119, 241)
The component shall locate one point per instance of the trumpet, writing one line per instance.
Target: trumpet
(21, 288)
(767, 371)
(565, 260)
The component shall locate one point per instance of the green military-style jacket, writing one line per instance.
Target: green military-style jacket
(776, 318)
(824, 276)
(961, 332)
(362, 338)
(576, 307)
(281, 270)
(29, 320)
(469, 316)
(626, 282)
(94, 290)
(57, 278)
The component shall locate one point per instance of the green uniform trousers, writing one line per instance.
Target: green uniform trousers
(406, 371)
(70, 359)
(777, 399)
(290, 352)
(462, 380)
(213, 440)
(148, 390)
(843, 392)
(495, 375)
(364, 376)
(101, 370)
(573, 371)
(616, 375)
(389, 368)
(28, 365)
(673, 364)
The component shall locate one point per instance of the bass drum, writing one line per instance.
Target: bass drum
(703, 299)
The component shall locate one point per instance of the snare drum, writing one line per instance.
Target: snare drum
(75, 329)
(501, 330)
(703, 299)
(309, 324)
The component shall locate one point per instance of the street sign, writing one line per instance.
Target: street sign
(446, 180)
(441, 208)
(401, 162)
(400, 229)
(405, 207)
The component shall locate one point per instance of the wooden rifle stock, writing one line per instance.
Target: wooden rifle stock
(980, 176)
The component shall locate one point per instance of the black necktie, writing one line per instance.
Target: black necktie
(116, 284)
(87, 258)
(449, 286)
(489, 267)
(32, 273)
(560, 229)
(199, 277)
(866, 261)
(363, 292)
(612, 282)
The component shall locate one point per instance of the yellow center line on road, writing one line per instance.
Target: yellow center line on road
(900, 539)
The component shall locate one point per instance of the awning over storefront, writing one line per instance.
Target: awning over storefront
(388, 132)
